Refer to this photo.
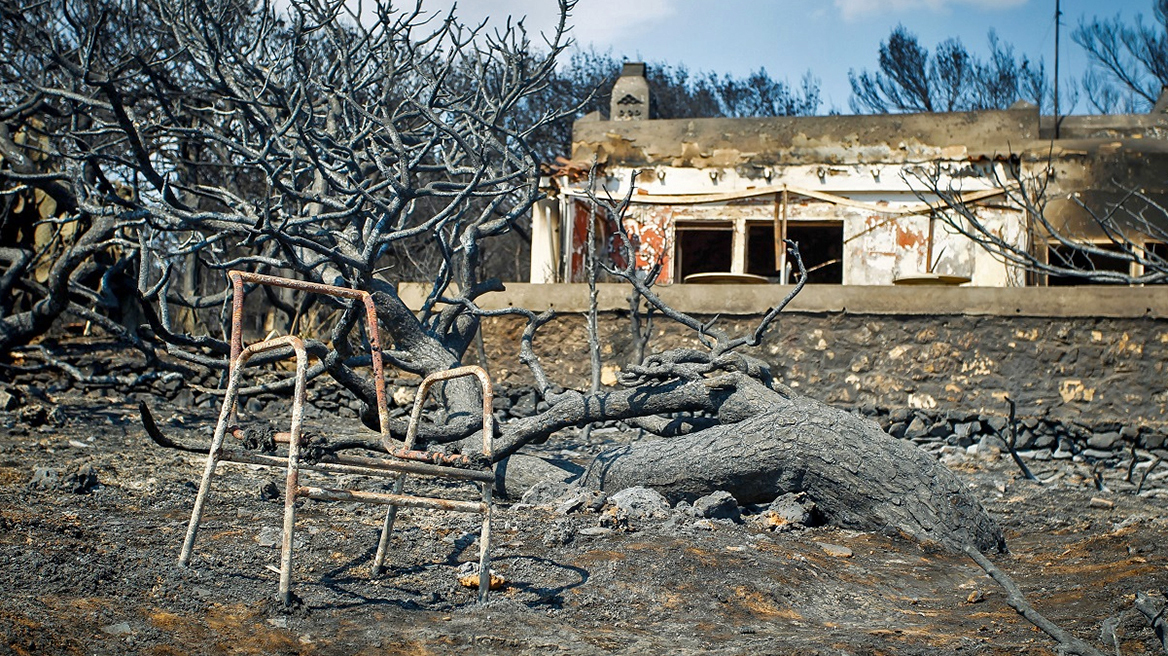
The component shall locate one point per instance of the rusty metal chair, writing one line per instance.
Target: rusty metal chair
(401, 461)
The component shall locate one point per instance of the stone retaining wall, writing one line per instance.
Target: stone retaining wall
(1087, 372)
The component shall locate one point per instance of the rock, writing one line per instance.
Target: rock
(995, 423)
(640, 503)
(1100, 502)
(718, 505)
(270, 536)
(1040, 455)
(8, 401)
(268, 491)
(1098, 454)
(791, 509)
(119, 629)
(45, 478)
(524, 405)
(1153, 440)
(595, 531)
(33, 415)
(1041, 441)
(558, 534)
(916, 429)
(1062, 454)
(964, 430)
(989, 442)
(897, 429)
(1104, 440)
(546, 494)
(835, 550)
(404, 396)
(78, 480)
(81, 480)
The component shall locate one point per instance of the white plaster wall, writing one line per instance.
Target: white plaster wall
(879, 246)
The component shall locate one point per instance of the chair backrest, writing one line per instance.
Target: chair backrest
(239, 278)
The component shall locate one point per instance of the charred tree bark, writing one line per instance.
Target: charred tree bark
(859, 476)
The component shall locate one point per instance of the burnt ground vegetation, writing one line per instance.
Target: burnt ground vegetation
(92, 516)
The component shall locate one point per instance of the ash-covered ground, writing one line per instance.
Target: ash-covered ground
(92, 516)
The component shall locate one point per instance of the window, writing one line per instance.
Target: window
(820, 244)
(704, 249)
(1061, 256)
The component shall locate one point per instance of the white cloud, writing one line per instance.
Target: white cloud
(856, 9)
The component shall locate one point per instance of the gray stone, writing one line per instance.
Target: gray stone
(270, 536)
(941, 429)
(119, 629)
(8, 401)
(916, 429)
(572, 504)
(640, 503)
(992, 442)
(995, 423)
(595, 531)
(964, 430)
(897, 429)
(81, 480)
(546, 493)
(1042, 442)
(45, 478)
(718, 505)
(1153, 440)
(1103, 440)
(1098, 454)
(835, 550)
(1040, 455)
(793, 508)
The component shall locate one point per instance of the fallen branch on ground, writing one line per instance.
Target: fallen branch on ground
(1014, 598)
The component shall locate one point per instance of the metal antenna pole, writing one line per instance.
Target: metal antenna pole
(1057, 14)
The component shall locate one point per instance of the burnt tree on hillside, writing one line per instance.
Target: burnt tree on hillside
(225, 134)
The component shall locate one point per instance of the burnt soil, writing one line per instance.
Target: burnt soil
(92, 516)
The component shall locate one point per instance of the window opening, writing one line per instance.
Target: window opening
(820, 244)
(1072, 258)
(704, 250)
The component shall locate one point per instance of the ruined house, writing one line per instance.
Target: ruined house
(713, 198)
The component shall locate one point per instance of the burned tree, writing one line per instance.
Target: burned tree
(1077, 225)
(207, 136)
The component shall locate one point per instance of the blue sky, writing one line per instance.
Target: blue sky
(829, 37)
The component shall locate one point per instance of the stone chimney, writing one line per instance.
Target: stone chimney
(630, 94)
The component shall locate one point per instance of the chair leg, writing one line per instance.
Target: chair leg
(184, 557)
(387, 529)
(485, 545)
(292, 482)
(286, 547)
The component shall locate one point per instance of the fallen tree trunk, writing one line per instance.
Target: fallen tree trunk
(860, 477)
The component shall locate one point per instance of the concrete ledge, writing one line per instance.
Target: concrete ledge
(1115, 302)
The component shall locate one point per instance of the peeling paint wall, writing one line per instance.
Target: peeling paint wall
(880, 245)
